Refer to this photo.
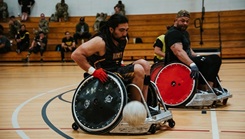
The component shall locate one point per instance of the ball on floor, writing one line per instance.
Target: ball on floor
(134, 113)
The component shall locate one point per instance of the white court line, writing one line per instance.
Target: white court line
(215, 129)
(15, 122)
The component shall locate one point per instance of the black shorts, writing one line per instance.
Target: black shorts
(209, 66)
(126, 73)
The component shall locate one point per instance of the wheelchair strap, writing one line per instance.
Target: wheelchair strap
(147, 80)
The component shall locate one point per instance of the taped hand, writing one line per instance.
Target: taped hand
(194, 71)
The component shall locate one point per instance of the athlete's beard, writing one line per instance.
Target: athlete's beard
(119, 40)
(182, 27)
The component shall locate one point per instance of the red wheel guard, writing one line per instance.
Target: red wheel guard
(175, 84)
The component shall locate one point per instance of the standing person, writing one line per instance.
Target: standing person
(25, 8)
(178, 49)
(39, 44)
(14, 27)
(3, 11)
(82, 30)
(43, 25)
(104, 52)
(67, 45)
(22, 39)
(61, 11)
(4, 44)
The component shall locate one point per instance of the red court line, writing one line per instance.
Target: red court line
(233, 131)
(192, 130)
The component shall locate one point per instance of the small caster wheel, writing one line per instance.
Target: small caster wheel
(153, 129)
(74, 126)
(171, 123)
(225, 101)
(214, 104)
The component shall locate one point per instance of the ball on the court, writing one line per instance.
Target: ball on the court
(134, 113)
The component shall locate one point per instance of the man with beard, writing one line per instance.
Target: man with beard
(104, 52)
(178, 49)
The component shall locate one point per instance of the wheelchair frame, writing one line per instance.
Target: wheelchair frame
(200, 98)
(150, 126)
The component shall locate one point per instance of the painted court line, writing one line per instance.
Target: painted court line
(15, 123)
(215, 130)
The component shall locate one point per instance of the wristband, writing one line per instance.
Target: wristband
(192, 64)
(91, 70)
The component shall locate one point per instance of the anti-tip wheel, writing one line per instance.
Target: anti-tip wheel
(74, 126)
(225, 101)
(153, 129)
(171, 123)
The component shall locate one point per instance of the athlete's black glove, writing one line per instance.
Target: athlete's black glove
(194, 71)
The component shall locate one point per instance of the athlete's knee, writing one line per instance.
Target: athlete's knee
(145, 65)
(139, 70)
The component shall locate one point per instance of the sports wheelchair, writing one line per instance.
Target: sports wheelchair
(97, 108)
(178, 89)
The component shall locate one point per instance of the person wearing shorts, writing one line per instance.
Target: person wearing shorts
(104, 52)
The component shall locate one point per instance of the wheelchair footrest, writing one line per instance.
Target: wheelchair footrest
(124, 128)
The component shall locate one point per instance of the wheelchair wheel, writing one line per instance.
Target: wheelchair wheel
(97, 107)
(175, 85)
(155, 68)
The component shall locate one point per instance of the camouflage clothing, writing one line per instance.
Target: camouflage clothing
(61, 11)
(14, 28)
(4, 11)
(43, 26)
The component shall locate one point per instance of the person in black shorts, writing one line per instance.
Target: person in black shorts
(178, 49)
(25, 8)
(104, 52)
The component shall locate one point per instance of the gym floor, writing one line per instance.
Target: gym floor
(35, 102)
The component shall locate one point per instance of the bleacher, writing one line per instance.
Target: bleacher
(224, 32)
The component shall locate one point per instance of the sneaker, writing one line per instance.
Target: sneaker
(217, 91)
(17, 51)
(153, 111)
(25, 59)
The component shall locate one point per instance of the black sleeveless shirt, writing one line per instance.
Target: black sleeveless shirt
(112, 58)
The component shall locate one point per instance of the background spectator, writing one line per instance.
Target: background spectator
(67, 45)
(61, 11)
(25, 8)
(22, 39)
(43, 25)
(39, 44)
(3, 11)
(119, 8)
(14, 27)
(4, 44)
(82, 30)
(99, 17)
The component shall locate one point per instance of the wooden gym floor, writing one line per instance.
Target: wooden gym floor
(35, 102)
